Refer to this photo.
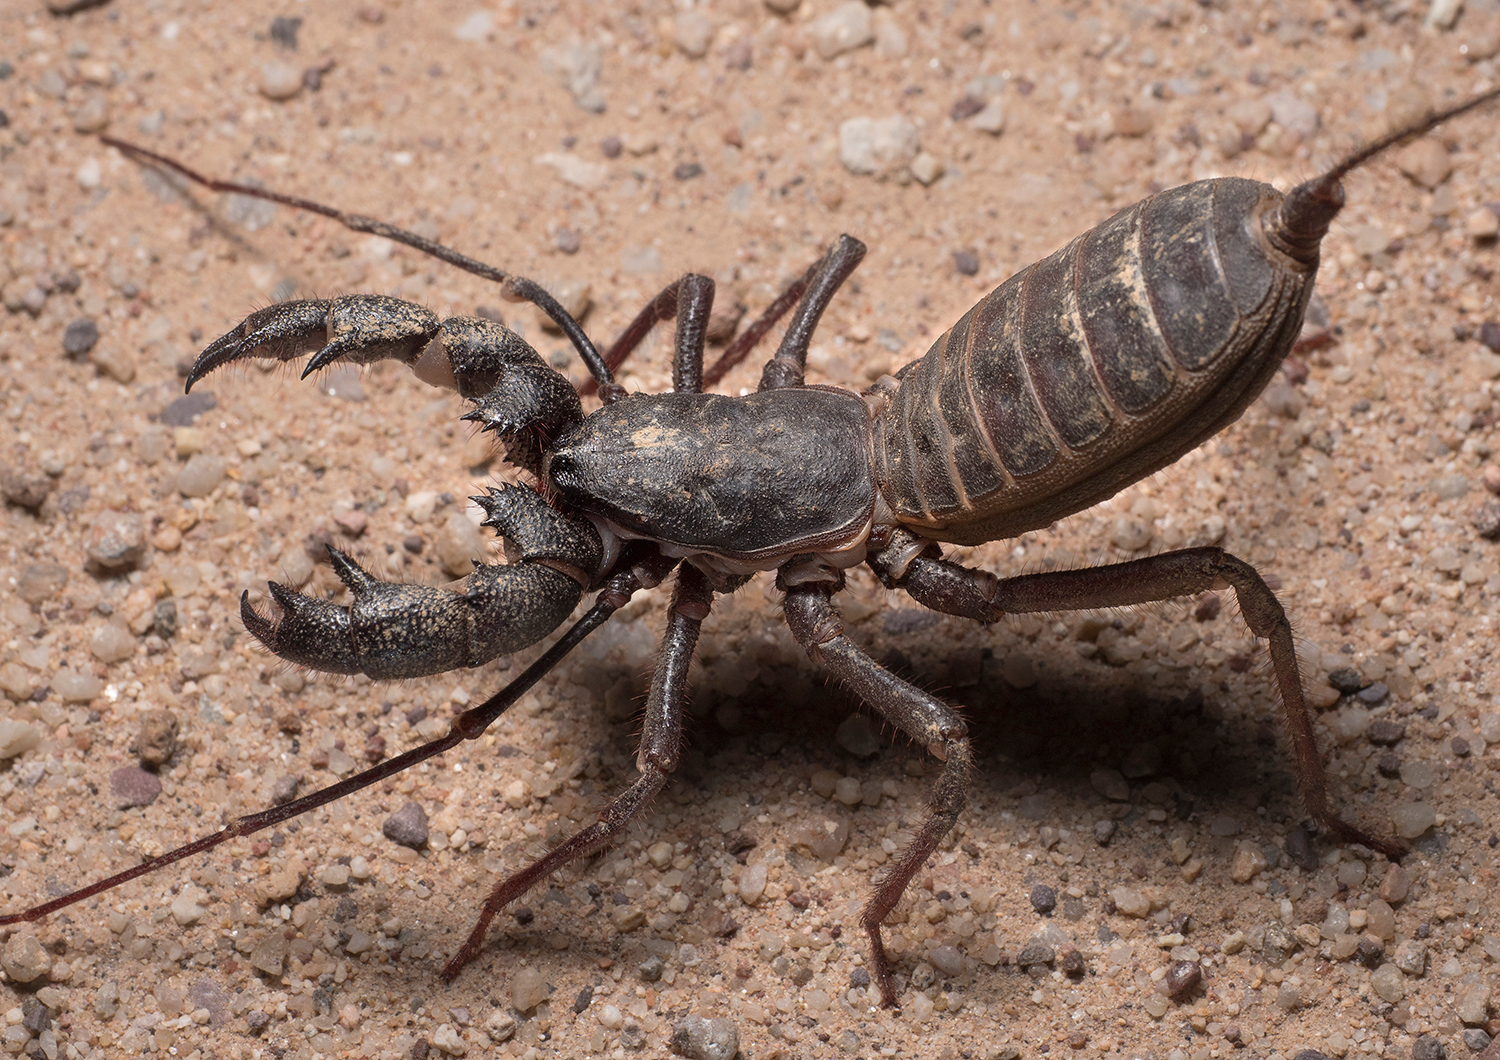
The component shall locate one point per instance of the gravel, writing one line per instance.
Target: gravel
(869, 146)
(1183, 977)
(857, 736)
(697, 1038)
(692, 33)
(1043, 899)
(407, 826)
(80, 336)
(116, 542)
(280, 80)
(848, 26)
(1411, 819)
(16, 738)
(133, 786)
(24, 958)
(201, 475)
(527, 989)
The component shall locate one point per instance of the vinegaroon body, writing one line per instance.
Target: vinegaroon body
(1078, 376)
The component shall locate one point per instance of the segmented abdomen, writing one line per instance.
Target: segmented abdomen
(1094, 367)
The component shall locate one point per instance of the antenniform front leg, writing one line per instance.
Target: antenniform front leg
(393, 630)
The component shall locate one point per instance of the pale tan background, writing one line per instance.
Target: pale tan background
(453, 119)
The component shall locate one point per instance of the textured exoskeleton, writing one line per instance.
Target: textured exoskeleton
(1079, 375)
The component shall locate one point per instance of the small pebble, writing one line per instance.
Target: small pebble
(1396, 885)
(577, 67)
(1373, 695)
(693, 32)
(1104, 831)
(1293, 113)
(184, 410)
(407, 826)
(1183, 978)
(527, 990)
(352, 523)
(989, 119)
(116, 541)
(29, 491)
(739, 55)
(753, 883)
(91, 116)
(133, 786)
(1346, 680)
(447, 1039)
(1380, 920)
(1476, 1039)
(156, 739)
(1411, 819)
(1035, 953)
(1130, 901)
(848, 791)
(1389, 983)
(269, 954)
(824, 837)
(927, 168)
(1248, 862)
(76, 686)
(1384, 732)
(649, 970)
(114, 362)
(1482, 224)
(877, 145)
(947, 960)
(1131, 121)
(17, 737)
(1278, 944)
(1110, 783)
(186, 911)
(1043, 899)
(697, 1038)
(40, 582)
(459, 545)
(516, 793)
(1487, 521)
(24, 958)
(1299, 849)
(80, 336)
(201, 475)
(846, 27)
(280, 80)
(1411, 957)
(856, 735)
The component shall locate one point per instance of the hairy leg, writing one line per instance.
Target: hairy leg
(925, 718)
(909, 564)
(660, 747)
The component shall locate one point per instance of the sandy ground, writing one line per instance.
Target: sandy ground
(1131, 763)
